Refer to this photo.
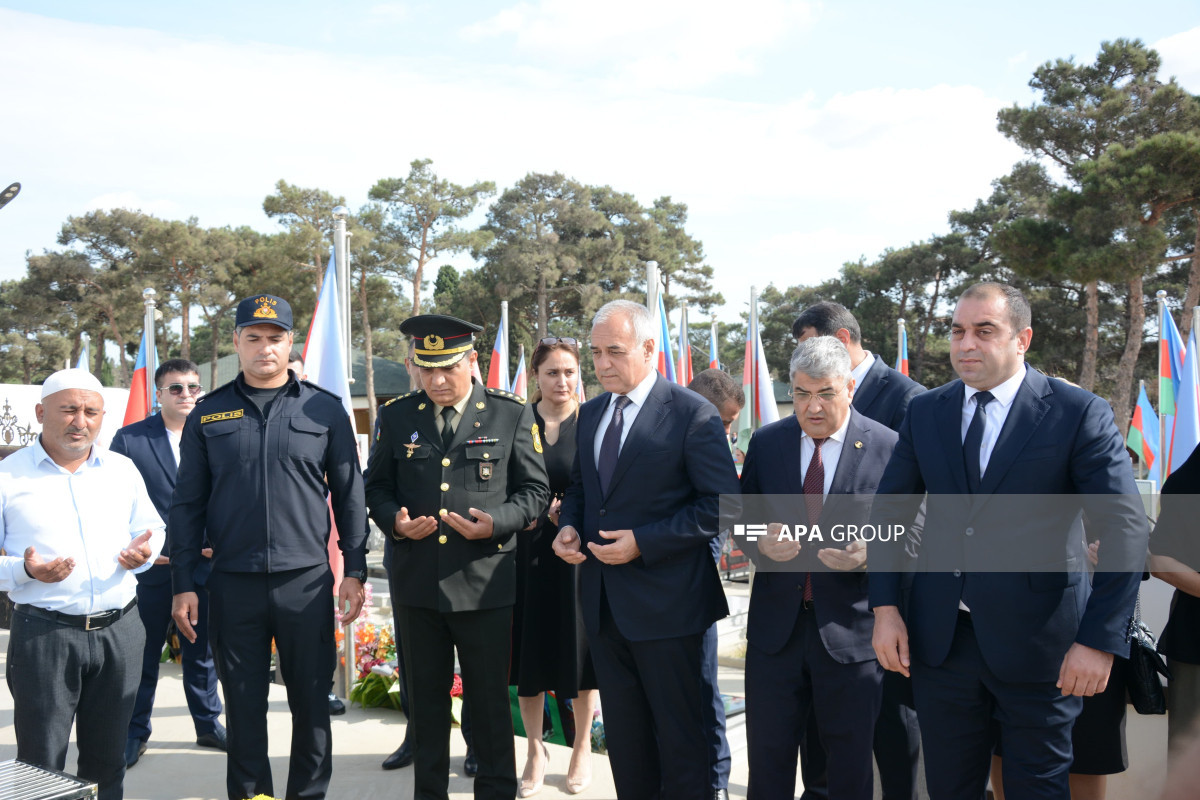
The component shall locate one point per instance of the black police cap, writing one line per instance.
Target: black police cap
(264, 309)
(441, 340)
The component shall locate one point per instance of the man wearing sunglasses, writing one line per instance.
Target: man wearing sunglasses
(153, 446)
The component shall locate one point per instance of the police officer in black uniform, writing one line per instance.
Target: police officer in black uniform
(259, 457)
(456, 472)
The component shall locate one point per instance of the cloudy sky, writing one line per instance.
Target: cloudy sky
(801, 134)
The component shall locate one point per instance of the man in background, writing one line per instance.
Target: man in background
(153, 446)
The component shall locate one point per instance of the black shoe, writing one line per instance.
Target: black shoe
(470, 763)
(133, 751)
(720, 794)
(336, 706)
(215, 740)
(401, 758)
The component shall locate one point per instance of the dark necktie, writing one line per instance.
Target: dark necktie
(814, 498)
(973, 444)
(448, 413)
(610, 445)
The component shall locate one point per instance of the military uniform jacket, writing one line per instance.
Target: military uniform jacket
(493, 464)
(259, 486)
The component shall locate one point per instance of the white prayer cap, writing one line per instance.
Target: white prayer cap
(70, 379)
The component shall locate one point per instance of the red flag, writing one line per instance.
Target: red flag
(137, 408)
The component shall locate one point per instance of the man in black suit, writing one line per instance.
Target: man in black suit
(881, 394)
(809, 629)
(456, 472)
(153, 446)
(651, 465)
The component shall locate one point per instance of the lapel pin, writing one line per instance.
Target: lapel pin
(421, 407)
(480, 405)
(858, 445)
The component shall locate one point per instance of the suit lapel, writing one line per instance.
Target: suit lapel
(649, 417)
(872, 384)
(589, 420)
(427, 432)
(949, 425)
(1026, 414)
(789, 454)
(160, 445)
(851, 456)
(473, 412)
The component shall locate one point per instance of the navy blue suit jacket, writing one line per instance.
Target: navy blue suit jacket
(1060, 441)
(773, 468)
(147, 445)
(884, 394)
(666, 488)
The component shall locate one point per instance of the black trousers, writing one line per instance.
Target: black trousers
(657, 706)
(57, 674)
(464, 726)
(199, 671)
(484, 642)
(783, 688)
(247, 611)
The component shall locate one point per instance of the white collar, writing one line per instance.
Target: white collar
(638, 394)
(1002, 394)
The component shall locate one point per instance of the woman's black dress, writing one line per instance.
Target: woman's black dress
(550, 651)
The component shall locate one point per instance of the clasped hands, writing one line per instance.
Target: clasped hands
(622, 547)
(478, 528)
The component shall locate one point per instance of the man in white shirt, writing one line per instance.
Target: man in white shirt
(77, 523)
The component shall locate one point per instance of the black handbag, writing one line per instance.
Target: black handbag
(1145, 665)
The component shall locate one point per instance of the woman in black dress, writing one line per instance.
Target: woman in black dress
(549, 645)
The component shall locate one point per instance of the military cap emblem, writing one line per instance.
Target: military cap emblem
(266, 308)
(434, 342)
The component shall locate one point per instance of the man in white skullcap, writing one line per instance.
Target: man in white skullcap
(77, 525)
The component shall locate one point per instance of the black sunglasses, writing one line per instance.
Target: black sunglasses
(177, 388)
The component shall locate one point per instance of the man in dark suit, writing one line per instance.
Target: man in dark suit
(153, 446)
(1015, 650)
(809, 630)
(651, 465)
(457, 470)
(882, 394)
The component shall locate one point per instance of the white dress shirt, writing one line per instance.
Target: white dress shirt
(831, 453)
(994, 414)
(89, 515)
(859, 373)
(174, 437)
(637, 398)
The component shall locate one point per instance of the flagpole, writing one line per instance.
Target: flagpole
(755, 417)
(343, 280)
(1164, 457)
(899, 340)
(713, 334)
(151, 358)
(504, 333)
(652, 286)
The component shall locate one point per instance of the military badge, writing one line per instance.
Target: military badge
(265, 308)
(537, 439)
(485, 470)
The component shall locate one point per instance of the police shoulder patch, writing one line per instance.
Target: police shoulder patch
(220, 416)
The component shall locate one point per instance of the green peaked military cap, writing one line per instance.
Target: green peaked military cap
(442, 340)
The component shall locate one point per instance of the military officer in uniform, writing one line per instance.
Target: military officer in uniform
(259, 456)
(456, 472)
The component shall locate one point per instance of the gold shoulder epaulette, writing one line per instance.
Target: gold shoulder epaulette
(509, 395)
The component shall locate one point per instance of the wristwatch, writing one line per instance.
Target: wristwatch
(359, 575)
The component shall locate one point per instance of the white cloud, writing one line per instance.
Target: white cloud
(667, 43)
(1181, 58)
(181, 127)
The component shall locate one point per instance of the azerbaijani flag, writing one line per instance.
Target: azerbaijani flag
(498, 366)
(137, 407)
(324, 351)
(325, 365)
(1171, 354)
(519, 383)
(685, 348)
(666, 360)
(1143, 431)
(1186, 432)
(714, 361)
(902, 355)
(760, 408)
